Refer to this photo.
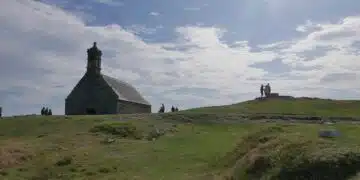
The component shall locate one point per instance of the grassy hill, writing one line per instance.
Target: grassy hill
(179, 146)
(297, 106)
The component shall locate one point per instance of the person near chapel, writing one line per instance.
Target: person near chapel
(162, 108)
(262, 90)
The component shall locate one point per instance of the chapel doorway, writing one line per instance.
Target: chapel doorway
(90, 111)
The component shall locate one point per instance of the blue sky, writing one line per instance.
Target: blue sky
(186, 53)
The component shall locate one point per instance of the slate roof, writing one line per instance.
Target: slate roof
(125, 91)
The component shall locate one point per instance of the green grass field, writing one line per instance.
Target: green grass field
(300, 106)
(126, 147)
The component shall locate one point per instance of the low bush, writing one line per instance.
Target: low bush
(122, 129)
(64, 161)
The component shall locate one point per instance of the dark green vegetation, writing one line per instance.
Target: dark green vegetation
(179, 146)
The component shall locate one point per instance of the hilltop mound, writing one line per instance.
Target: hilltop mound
(281, 153)
(289, 106)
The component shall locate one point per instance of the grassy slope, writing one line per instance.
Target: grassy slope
(31, 147)
(312, 107)
(65, 148)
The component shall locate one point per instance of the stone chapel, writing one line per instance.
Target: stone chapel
(97, 93)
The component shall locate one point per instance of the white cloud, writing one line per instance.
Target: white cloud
(110, 2)
(337, 38)
(43, 52)
(308, 26)
(142, 29)
(337, 66)
(154, 13)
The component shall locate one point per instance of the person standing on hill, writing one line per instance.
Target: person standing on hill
(262, 90)
(43, 111)
(162, 108)
(267, 90)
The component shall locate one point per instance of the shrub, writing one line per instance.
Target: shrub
(64, 161)
(124, 130)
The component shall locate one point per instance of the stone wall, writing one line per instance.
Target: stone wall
(275, 96)
(91, 92)
(125, 107)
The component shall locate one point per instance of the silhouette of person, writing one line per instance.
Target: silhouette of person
(262, 90)
(162, 108)
(269, 88)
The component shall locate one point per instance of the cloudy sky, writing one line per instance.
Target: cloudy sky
(188, 53)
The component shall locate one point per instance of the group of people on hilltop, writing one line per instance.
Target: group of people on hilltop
(173, 109)
(265, 90)
(46, 111)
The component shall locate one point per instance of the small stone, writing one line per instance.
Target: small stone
(329, 133)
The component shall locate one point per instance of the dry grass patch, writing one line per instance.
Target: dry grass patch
(13, 153)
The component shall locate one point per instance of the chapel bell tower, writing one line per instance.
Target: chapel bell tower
(94, 60)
